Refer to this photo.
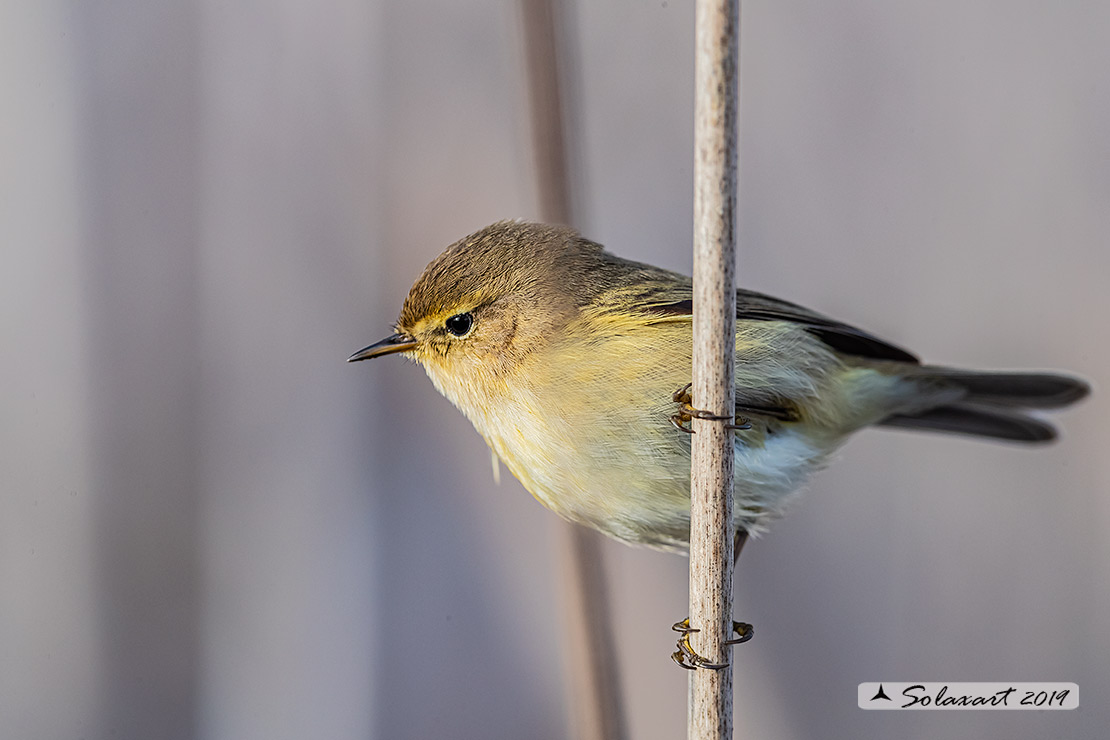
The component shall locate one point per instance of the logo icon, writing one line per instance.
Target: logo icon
(880, 694)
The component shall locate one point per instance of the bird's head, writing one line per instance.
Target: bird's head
(491, 300)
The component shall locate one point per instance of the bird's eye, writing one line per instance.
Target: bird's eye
(459, 324)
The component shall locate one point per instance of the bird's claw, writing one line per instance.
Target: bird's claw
(744, 632)
(687, 413)
(686, 656)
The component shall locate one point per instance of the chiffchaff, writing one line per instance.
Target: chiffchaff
(570, 362)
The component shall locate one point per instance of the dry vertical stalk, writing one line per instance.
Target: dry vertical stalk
(595, 685)
(717, 26)
(545, 96)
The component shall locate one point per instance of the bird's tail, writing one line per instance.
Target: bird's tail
(992, 404)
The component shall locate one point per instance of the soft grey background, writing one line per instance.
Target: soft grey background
(211, 527)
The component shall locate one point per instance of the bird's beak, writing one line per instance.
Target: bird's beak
(389, 345)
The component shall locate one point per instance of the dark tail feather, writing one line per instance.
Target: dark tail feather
(992, 404)
(976, 421)
(1023, 390)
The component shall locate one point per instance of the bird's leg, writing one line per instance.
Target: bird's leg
(687, 412)
(686, 656)
(744, 631)
(739, 539)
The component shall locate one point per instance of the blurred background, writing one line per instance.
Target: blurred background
(211, 526)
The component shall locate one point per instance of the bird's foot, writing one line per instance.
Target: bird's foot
(686, 657)
(687, 412)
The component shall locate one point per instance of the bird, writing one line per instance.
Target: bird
(574, 365)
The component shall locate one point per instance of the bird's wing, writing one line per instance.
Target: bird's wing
(751, 306)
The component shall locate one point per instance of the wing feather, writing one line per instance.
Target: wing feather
(751, 306)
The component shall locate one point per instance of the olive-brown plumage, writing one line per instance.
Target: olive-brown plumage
(566, 359)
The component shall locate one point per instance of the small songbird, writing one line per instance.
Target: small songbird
(573, 364)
